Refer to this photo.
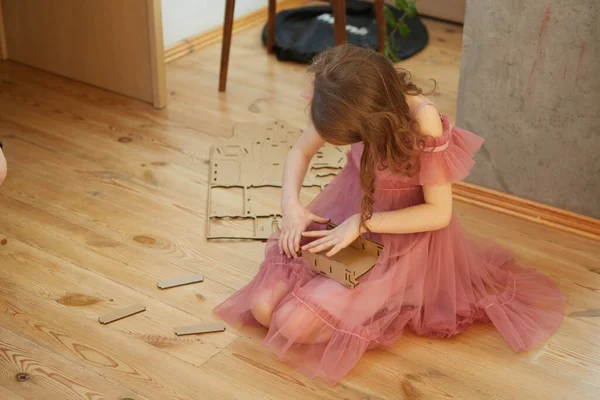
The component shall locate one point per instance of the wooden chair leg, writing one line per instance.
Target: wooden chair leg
(339, 24)
(226, 45)
(271, 26)
(381, 24)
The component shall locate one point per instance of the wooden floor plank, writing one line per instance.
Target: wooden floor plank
(104, 350)
(379, 375)
(106, 186)
(35, 373)
(9, 395)
(490, 369)
(88, 295)
(133, 268)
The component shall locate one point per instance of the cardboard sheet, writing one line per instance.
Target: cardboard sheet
(253, 159)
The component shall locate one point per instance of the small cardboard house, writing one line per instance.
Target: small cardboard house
(347, 265)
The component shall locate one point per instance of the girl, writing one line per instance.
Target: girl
(2, 165)
(396, 186)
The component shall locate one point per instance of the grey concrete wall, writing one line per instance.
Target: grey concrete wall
(530, 85)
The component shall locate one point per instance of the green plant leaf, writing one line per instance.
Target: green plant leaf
(401, 4)
(412, 9)
(390, 48)
(386, 49)
(393, 48)
(389, 51)
(389, 16)
(404, 29)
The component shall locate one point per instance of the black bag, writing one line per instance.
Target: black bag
(302, 33)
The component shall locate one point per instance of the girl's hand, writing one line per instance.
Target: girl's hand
(336, 239)
(295, 220)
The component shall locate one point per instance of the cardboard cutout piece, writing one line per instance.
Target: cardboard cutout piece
(120, 314)
(347, 265)
(254, 158)
(197, 329)
(169, 283)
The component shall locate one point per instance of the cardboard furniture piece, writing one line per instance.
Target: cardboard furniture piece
(120, 314)
(170, 283)
(347, 265)
(254, 159)
(198, 329)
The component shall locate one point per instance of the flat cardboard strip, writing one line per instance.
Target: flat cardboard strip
(120, 314)
(202, 328)
(169, 283)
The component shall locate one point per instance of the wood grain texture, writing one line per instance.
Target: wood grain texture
(107, 44)
(450, 10)
(42, 375)
(121, 359)
(85, 296)
(9, 395)
(107, 196)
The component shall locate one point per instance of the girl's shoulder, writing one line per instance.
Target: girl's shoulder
(427, 115)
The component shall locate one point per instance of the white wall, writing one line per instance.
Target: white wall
(183, 19)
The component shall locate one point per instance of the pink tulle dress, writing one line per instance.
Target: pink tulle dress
(435, 283)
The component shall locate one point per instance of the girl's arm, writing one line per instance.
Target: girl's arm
(295, 217)
(436, 212)
(432, 215)
(296, 165)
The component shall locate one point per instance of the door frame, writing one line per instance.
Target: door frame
(151, 45)
(3, 50)
(157, 53)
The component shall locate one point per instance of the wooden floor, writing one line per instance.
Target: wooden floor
(106, 196)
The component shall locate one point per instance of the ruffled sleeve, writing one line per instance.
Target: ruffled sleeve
(448, 158)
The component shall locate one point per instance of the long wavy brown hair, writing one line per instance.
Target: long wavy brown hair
(359, 96)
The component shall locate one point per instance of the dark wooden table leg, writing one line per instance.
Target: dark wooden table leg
(339, 24)
(226, 45)
(271, 26)
(381, 24)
